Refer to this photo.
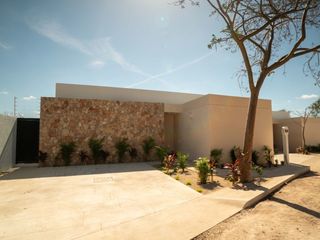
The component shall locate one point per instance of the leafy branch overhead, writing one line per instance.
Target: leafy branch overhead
(268, 34)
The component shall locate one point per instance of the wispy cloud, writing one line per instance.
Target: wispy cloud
(5, 46)
(172, 70)
(101, 49)
(97, 64)
(308, 96)
(97, 48)
(4, 92)
(55, 32)
(29, 98)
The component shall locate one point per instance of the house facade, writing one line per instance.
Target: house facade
(312, 130)
(190, 123)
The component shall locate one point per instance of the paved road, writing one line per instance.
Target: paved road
(291, 213)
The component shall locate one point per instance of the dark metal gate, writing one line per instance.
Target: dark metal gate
(27, 140)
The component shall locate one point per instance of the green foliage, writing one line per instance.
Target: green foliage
(133, 152)
(84, 158)
(188, 183)
(66, 151)
(161, 153)
(315, 108)
(216, 155)
(182, 160)
(177, 177)
(147, 146)
(234, 152)
(42, 157)
(202, 165)
(313, 148)
(122, 147)
(267, 155)
(258, 169)
(255, 157)
(95, 146)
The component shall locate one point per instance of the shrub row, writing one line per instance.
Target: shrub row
(97, 155)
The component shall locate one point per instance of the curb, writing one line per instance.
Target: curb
(257, 199)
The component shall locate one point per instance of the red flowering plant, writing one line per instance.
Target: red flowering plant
(170, 163)
(234, 174)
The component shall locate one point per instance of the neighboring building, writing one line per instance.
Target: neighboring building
(312, 130)
(191, 123)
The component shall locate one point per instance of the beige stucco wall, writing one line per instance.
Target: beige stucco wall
(78, 120)
(192, 132)
(312, 132)
(215, 121)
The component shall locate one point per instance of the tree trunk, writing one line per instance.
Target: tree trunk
(305, 119)
(245, 163)
(303, 138)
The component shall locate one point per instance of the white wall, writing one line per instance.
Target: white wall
(122, 94)
(8, 132)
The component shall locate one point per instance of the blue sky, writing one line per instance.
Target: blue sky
(146, 44)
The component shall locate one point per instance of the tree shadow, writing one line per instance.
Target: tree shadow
(297, 207)
(249, 187)
(310, 174)
(210, 185)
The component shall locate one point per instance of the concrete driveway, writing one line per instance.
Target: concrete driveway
(74, 202)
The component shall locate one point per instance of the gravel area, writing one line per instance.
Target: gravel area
(291, 213)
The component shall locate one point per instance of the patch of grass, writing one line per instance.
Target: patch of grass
(177, 177)
(188, 183)
(199, 190)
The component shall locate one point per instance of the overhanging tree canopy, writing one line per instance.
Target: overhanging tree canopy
(268, 33)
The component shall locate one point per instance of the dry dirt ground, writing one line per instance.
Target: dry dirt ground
(215, 182)
(291, 213)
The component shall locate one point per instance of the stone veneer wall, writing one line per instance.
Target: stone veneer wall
(78, 120)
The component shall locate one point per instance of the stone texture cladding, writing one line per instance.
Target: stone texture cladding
(63, 120)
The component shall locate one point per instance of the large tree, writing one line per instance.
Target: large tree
(268, 34)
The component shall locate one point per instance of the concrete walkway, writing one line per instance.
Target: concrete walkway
(189, 219)
(112, 203)
(68, 202)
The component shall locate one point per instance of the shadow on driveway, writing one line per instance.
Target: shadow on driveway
(45, 172)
